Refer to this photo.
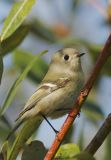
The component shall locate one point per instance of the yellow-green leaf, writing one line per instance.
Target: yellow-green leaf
(67, 151)
(38, 70)
(35, 150)
(16, 16)
(4, 150)
(16, 84)
(15, 39)
(28, 129)
(1, 62)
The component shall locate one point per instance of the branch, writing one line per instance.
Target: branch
(100, 136)
(105, 53)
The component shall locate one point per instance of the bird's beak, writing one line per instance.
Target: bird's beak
(81, 54)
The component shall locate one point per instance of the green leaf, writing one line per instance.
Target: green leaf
(16, 84)
(1, 63)
(16, 16)
(83, 156)
(38, 70)
(67, 151)
(107, 155)
(5, 127)
(35, 150)
(1, 67)
(24, 134)
(15, 39)
(4, 149)
(6, 121)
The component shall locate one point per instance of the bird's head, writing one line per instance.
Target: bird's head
(67, 59)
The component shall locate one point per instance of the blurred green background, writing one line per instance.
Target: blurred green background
(52, 25)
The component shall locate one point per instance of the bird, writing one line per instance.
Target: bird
(58, 90)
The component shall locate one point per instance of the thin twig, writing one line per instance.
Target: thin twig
(105, 53)
(100, 136)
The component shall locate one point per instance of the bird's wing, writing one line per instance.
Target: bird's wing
(44, 90)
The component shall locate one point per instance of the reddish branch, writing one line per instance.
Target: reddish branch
(99, 137)
(105, 53)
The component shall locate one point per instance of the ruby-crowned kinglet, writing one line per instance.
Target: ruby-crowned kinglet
(58, 90)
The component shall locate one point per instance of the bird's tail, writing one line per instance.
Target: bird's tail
(14, 129)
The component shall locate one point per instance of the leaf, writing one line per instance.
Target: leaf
(16, 84)
(25, 133)
(38, 70)
(83, 156)
(16, 16)
(67, 151)
(15, 39)
(1, 67)
(4, 150)
(35, 150)
(1, 63)
(107, 155)
(5, 127)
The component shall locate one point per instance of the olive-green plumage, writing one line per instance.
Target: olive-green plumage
(57, 92)
(58, 89)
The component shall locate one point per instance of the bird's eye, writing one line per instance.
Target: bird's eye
(66, 57)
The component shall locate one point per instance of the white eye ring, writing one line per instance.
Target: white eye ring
(66, 57)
